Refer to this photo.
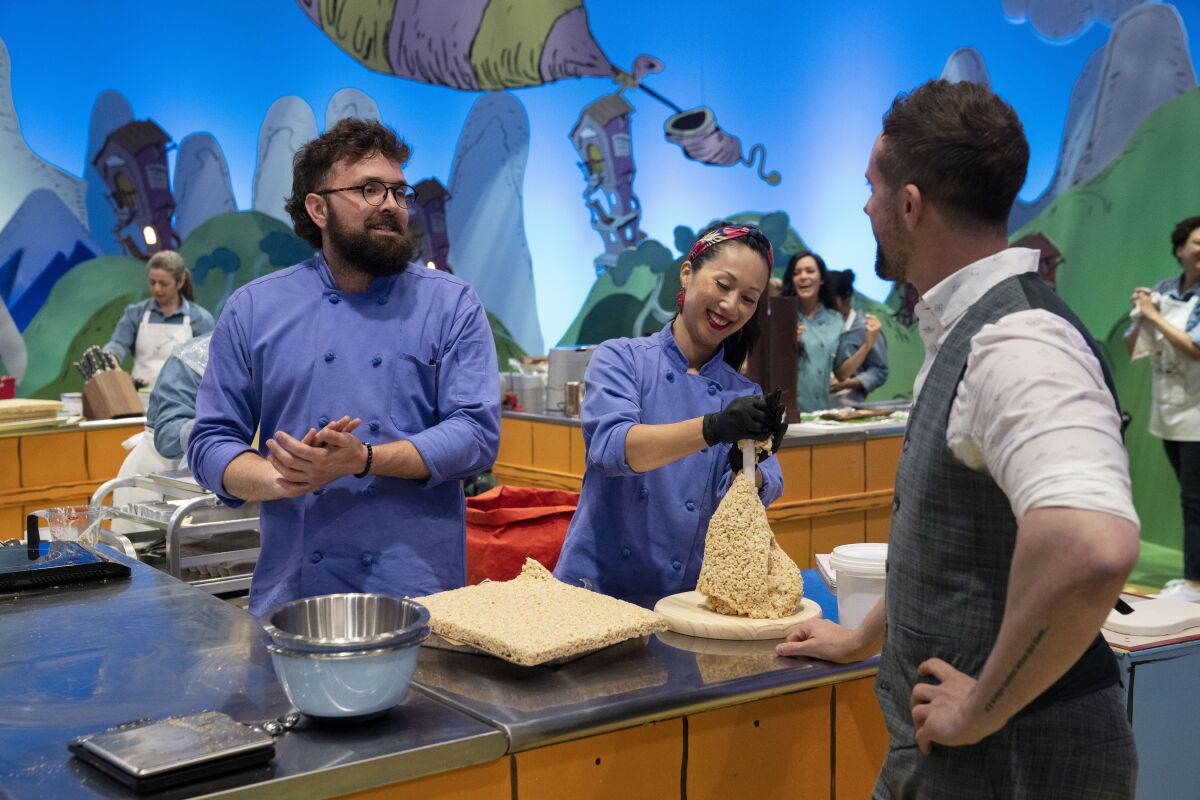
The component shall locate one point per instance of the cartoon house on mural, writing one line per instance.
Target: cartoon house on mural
(429, 215)
(133, 165)
(602, 138)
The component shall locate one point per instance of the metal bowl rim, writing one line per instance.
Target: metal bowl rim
(293, 641)
(275, 650)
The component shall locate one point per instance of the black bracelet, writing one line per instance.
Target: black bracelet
(367, 468)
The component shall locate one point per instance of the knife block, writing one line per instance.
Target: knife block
(110, 395)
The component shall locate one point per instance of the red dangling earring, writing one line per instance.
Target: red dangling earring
(679, 299)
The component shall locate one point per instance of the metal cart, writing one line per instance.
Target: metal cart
(190, 534)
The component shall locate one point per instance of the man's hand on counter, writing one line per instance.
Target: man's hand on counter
(321, 457)
(820, 638)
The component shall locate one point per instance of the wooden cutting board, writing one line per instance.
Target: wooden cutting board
(688, 613)
(1158, 617)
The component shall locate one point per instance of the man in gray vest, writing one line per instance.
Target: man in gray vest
(1013, 528)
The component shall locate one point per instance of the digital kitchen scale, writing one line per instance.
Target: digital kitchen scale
(36, 564)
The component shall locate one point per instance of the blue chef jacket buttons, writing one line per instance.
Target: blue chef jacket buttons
(626, 552)
(329, 356)
(382, 299)
(712, 388)
(374, 425)
(675, 565)
(670, 377)
(367, 559)
(322, 421)
(376, 361)
(690, 506)
(335, 298)
(643, 492)
(316, 557)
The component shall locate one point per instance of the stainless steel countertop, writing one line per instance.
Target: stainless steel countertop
(797, 435)
(77, 659)
(669, 676)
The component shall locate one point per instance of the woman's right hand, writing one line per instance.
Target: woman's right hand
(873, 327)
(743, 418)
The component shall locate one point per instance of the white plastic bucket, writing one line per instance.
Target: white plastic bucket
(860, 578)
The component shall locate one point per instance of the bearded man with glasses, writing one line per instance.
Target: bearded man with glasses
(373, 382)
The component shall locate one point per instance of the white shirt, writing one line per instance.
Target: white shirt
(1032, 411)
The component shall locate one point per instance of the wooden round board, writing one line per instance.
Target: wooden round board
(688, 613)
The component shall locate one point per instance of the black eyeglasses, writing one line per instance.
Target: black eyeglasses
(375, 192)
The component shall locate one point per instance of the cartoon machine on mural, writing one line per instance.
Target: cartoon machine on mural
(487, 45)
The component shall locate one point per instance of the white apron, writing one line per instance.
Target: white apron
(1175, 412)
(143, 459)
(154, 343)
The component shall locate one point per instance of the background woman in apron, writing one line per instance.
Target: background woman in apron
(1166, 327)
(151, 329)
(162, 446)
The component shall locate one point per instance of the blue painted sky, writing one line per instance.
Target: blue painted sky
(808, 80)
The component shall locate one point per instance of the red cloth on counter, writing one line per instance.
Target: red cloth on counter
(508, 524)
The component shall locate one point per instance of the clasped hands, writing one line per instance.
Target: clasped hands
(319, 458)
(1143, 301)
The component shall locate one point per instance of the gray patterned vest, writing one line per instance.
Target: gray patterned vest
(953, 533)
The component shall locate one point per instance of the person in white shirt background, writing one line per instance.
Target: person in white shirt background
(1166, 328)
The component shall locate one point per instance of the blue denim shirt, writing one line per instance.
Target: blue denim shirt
(641, 535)
(172, 409)
(874, 370)
(415, 359)
(125, 334)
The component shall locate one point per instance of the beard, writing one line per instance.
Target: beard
(892, 264)
(374, 254)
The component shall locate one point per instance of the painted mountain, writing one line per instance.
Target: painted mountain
(23, 171)
(202, 186)
(1114, 234)
(486, 218)
(110, 111)
(39, 245)
(289, 123)
(1145, 63)
(350, 103)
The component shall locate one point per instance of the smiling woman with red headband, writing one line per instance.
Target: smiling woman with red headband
(659, 417)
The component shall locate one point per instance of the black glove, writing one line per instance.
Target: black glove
(777, 422)
(744, 418)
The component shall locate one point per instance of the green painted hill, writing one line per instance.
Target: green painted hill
(1114, 232)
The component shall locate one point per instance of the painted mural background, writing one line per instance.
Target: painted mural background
(565, 155)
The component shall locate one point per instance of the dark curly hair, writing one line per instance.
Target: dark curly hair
(350, 139)
(738, 345)
(1182, 231)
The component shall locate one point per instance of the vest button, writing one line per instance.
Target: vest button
(895, 504)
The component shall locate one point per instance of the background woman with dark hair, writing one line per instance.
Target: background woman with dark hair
(659, 417)
(818, 329)
(860, 365)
